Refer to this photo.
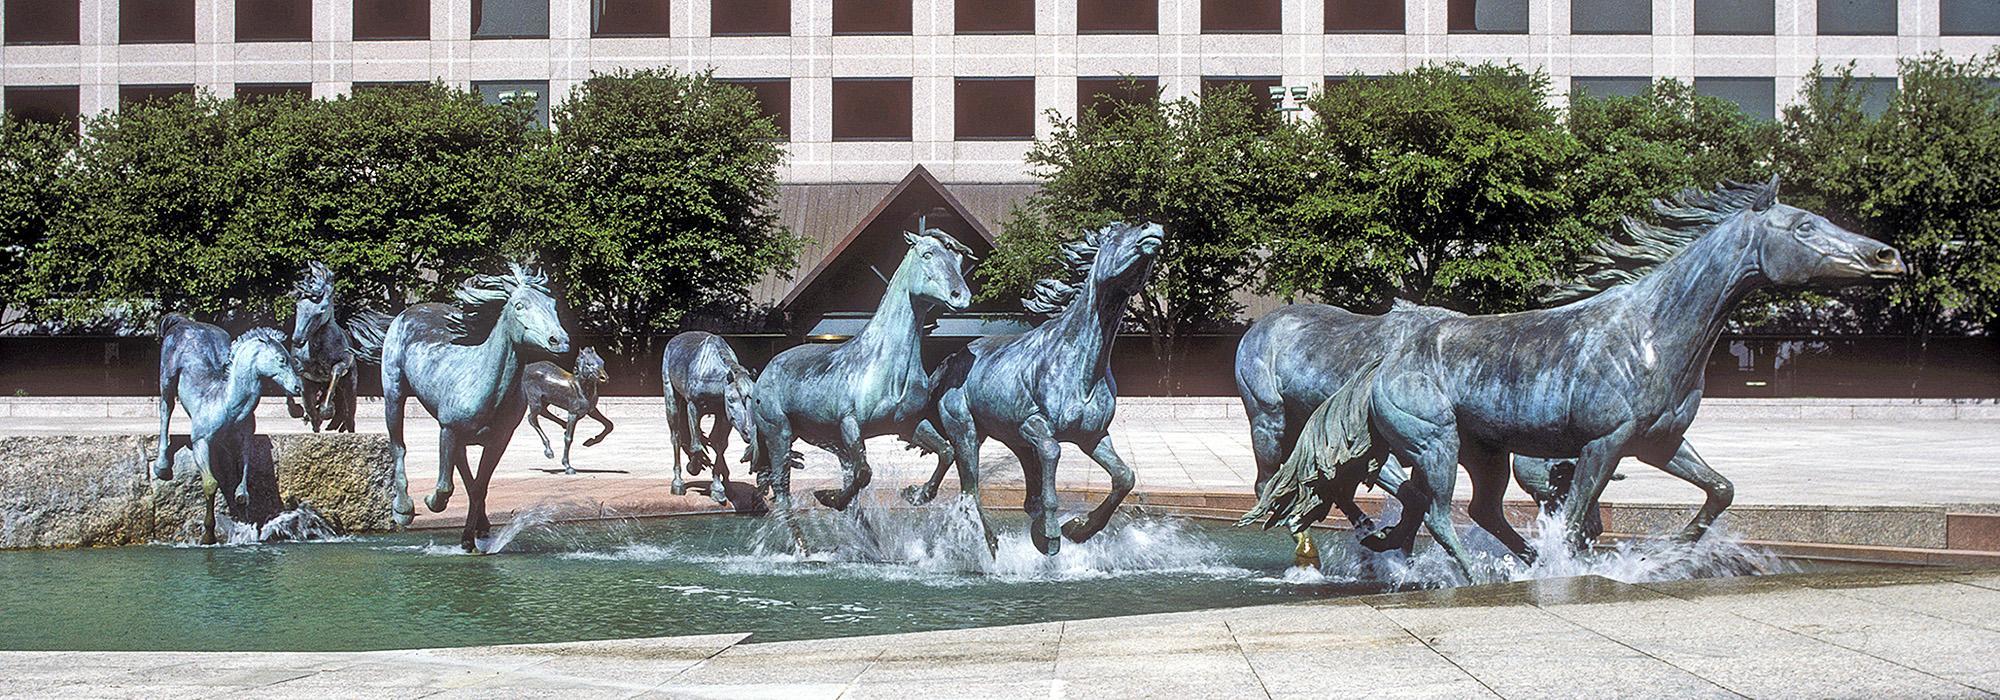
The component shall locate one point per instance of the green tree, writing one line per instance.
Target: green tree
(661, 189)
(34, 193)
(1206, 168)
(1444, 185)
(1657, 143)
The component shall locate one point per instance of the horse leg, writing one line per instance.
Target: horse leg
(392, 416)
(598, 416)
(1416, 419)
(777, 444)
(240, 441)
(1041, 439)
(718, 471)
(1690, 467)
(1268, 441)
(349, 391)
(534, 421)
(449, 449)
(1080, 530)
(854, 471)
(696, 447)
(163, 467)
(569, 436)
(926, 436)
(1488, 469)
(468, 538)
(1594, 465)
(677, 434)
(202, 458)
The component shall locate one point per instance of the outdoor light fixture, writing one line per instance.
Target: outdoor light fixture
(1296, 93)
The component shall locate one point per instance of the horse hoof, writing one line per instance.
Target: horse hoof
(548, 454)
(918, 494)
(829, 498)
(569, 471)
(694, 468)
(437, 501)
(719, 492)
(1377, 541)
(1077, 530)
(1043, 543)
(164, 472)
(403, 518)
(679, 489)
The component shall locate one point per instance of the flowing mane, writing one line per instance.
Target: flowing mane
(1052, 296)
(1633, 250)
(482, 299)
(269, 335)
(318, 282)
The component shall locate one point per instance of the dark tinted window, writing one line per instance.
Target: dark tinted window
(994, 108)
(135, 94)
(1364, 16)
(274, 20)
(156, 21)
(498, 91)
(1259, 87)
(1240, 16)
(46, 104)
(258, 91)
(1875, 92)
(374, 85)
(746, 17)
(629, 18)
(871, 109)
(391, 19)
(1609, 86)
(1487, 16)
(1757, 97)
(1611, 16)
(871, 16)
(1968, 17)
(42, 22)
(1331, 79)
(510, 19)
(994, 17)
(1117, 16)
(1734, 17)
(774, 96)
(1099, 95)
(1858, 17)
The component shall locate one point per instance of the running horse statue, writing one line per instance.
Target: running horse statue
(1617, 374)
(325, 357)
(576, 393)
(463, 363)
(836, 395)
(218, 382)
(701, 377)
(1050, 385)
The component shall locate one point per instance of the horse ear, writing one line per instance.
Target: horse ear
(911, 238)
(1768, 197)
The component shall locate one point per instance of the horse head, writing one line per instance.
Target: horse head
(263, 352)
(315, 303)
(737, 403)
(1797, 248)
(1125, 254)
(590, 366)
(938, 263)
(517, 304)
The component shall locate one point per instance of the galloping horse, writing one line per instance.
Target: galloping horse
(218, 383)
(836, 395)
(700, 376)
(574, 392)
(463, 363)
(1617, 374)
(1050, 385)
(325, 357)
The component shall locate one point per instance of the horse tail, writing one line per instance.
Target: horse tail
(368, 329)
(1337, 433)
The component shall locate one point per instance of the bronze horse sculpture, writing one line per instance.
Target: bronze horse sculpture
(700, 376)
(325, 356)
(548, 385)
(1050, 385)
(218, 382)
(1617, 374)
(463, 363)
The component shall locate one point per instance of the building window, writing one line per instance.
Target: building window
(1757, 97)
(1968, 17)
(750, 18)
(1241, 17)
(1857, 17)
(1876, 93)
(53, 104)
(1117, 16)
(871, 17)
(510, 19)
(495, 92)
(42, 22)
(1750, 17)
(1098, 96)
(129, 95)
(1487, 16)
(994, 109)
(274, 20)
(391, 20)
(1611, 17)
(871, 109)
(246, 92)
(1259, 88)
(1609, 86)
(1364, 16)
(774, 98)
(994, 17)
(613, 18)
(1337, 79)
(368, 86)
(155, 21)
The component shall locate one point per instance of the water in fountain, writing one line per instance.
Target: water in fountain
(298, 524)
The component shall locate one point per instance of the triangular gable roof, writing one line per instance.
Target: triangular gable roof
(919, 183)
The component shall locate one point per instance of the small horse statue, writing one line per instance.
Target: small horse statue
(325, 357)
(701, 377)
(463, 363)
(218, 382)
(1617, 374)
(548, 385)
(836, 395)
(1050, 385)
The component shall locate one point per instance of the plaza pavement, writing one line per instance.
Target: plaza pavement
(1921, 633)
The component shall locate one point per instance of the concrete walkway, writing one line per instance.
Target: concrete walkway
(1925, 633)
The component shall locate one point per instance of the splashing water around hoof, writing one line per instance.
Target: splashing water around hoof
(299, 524)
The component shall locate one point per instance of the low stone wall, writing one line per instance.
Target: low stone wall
(98, 490)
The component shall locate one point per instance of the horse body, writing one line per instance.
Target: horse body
(217, 382)
(546, 385)
(324, 354)
(701, 377)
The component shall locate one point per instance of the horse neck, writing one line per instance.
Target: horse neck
(1687, 300)
(244, 387)
(893, 332)
(1089, 326)
(498, 358)
(587, 386)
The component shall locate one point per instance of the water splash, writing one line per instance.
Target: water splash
(537, 515)
(299, 524)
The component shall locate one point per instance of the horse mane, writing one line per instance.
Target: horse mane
(272, 335)
(1052, 296)
(483, 298)
(318, 282)
(1636, 247)
(947, 241)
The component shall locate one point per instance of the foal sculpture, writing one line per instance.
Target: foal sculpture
(325, 356)
(1050, 385)
(463, 363)
(575, 393)
(837, 395)
(1614, 375)
(218, 382)
(701, 377)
